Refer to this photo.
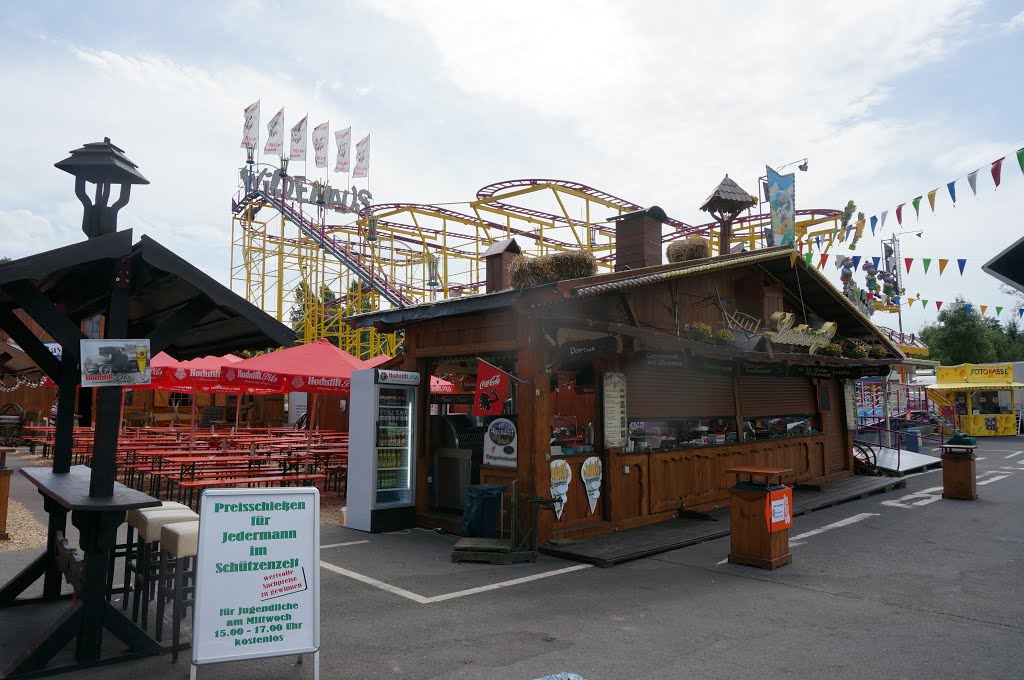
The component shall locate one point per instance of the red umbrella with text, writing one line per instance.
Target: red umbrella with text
(317, 367)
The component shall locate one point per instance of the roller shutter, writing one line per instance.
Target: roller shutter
(659, 392)
(776, 396)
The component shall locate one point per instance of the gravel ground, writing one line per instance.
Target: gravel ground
(24, 530)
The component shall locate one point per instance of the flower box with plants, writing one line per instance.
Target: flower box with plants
(700, 331)
(723, 336)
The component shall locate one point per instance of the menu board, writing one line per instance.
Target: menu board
(257, 591)
(615, 425)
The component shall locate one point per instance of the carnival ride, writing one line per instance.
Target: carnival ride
(311, 265)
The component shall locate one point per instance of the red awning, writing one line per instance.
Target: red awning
(196, 375)
(314, 367)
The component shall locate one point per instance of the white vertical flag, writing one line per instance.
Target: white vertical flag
(275, 135)
(343, 138)
(298, 146)
(251, 125)
(321, 144)
(362, 168)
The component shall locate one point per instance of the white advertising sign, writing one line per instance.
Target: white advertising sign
(115, 363)
(298, 141)
(251, 126)
(258, 574)
(501, 445)
(343, 138)
(390, 377)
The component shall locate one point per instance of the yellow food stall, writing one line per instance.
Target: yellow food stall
(980, 399)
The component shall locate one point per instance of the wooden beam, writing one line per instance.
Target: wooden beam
(30, 344)
(43, 312)
(182, 320)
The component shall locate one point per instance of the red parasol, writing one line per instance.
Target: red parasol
(314, 367)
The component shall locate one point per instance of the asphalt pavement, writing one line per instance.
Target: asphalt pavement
(897, 585)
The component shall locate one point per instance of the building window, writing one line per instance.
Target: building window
(179, 399)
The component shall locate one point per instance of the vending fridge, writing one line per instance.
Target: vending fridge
(382, 439)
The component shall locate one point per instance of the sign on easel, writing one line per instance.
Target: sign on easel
(257, 576)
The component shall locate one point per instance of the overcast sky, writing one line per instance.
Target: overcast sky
(650, 101)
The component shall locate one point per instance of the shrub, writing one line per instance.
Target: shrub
(833, 350)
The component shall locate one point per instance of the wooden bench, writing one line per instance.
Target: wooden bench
(249, 481)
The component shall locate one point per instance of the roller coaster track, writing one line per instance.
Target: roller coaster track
(415, 240)
(348, 257)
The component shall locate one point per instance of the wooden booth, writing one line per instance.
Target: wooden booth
(632, 393)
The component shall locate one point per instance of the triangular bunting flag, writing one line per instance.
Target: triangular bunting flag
(984, 308)
(908, 261)
(938, 305)
(924, 304)
(856, 262)
(931, 199)
(1020, 312)
(1020, 158)
(952, 191)
(961, 264)
(917, 206)
(968, 307)
(848, 230)
(972, 179)
(999, 310)
(874, 221)
(875, 261)
(942, 265)
(817, 242)
(823, 260)
(885, 213)
(997, 170)
(807, 258)
(927, 263)
(910, 302)
(899, 213)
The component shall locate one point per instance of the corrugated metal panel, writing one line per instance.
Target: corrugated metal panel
(657, 392)
(776, 396)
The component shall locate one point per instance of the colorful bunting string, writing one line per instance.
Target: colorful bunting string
(931, 199)
(997, 170)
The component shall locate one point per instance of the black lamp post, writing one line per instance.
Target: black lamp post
(104, 165)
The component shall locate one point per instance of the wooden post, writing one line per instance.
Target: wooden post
(959, 473)
(754, 540)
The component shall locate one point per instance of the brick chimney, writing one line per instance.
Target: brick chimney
(638, 239)
(497, 258)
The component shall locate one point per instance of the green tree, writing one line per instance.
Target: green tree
(961, 336)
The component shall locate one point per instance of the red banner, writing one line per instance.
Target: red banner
(492, 389)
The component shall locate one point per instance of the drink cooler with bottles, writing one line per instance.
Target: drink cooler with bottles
(382, 429)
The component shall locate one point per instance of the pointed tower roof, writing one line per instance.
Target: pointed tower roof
(728, 197)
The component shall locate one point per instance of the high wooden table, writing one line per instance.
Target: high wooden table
(755, 539)
(97, 520)
(959, 480)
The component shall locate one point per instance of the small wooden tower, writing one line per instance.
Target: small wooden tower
(725, 203)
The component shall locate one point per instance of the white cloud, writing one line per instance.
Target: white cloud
(1015, 23)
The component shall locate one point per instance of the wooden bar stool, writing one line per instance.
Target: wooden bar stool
(179, 545)
(149, 524)
(127, 549)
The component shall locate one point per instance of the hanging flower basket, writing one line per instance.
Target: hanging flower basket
(833, 350)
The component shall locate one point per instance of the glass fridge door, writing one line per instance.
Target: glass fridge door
(394, 443)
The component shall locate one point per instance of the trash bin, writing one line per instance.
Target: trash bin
(480, 516)
(912, 440)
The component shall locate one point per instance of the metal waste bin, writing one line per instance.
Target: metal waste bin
(912, 440)
(480, 516)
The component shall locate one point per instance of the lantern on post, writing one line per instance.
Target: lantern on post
(104, 165)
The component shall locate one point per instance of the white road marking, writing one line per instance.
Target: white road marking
(1014, 454)
(420, 599)
(934, 448)
(375, 583)
(340, 545)
(829, 527)
(981, 458)
(924, 497)
(992, 479)
(506, 584)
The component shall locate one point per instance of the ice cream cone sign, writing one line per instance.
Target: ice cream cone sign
(591, 473)
(561, 475)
